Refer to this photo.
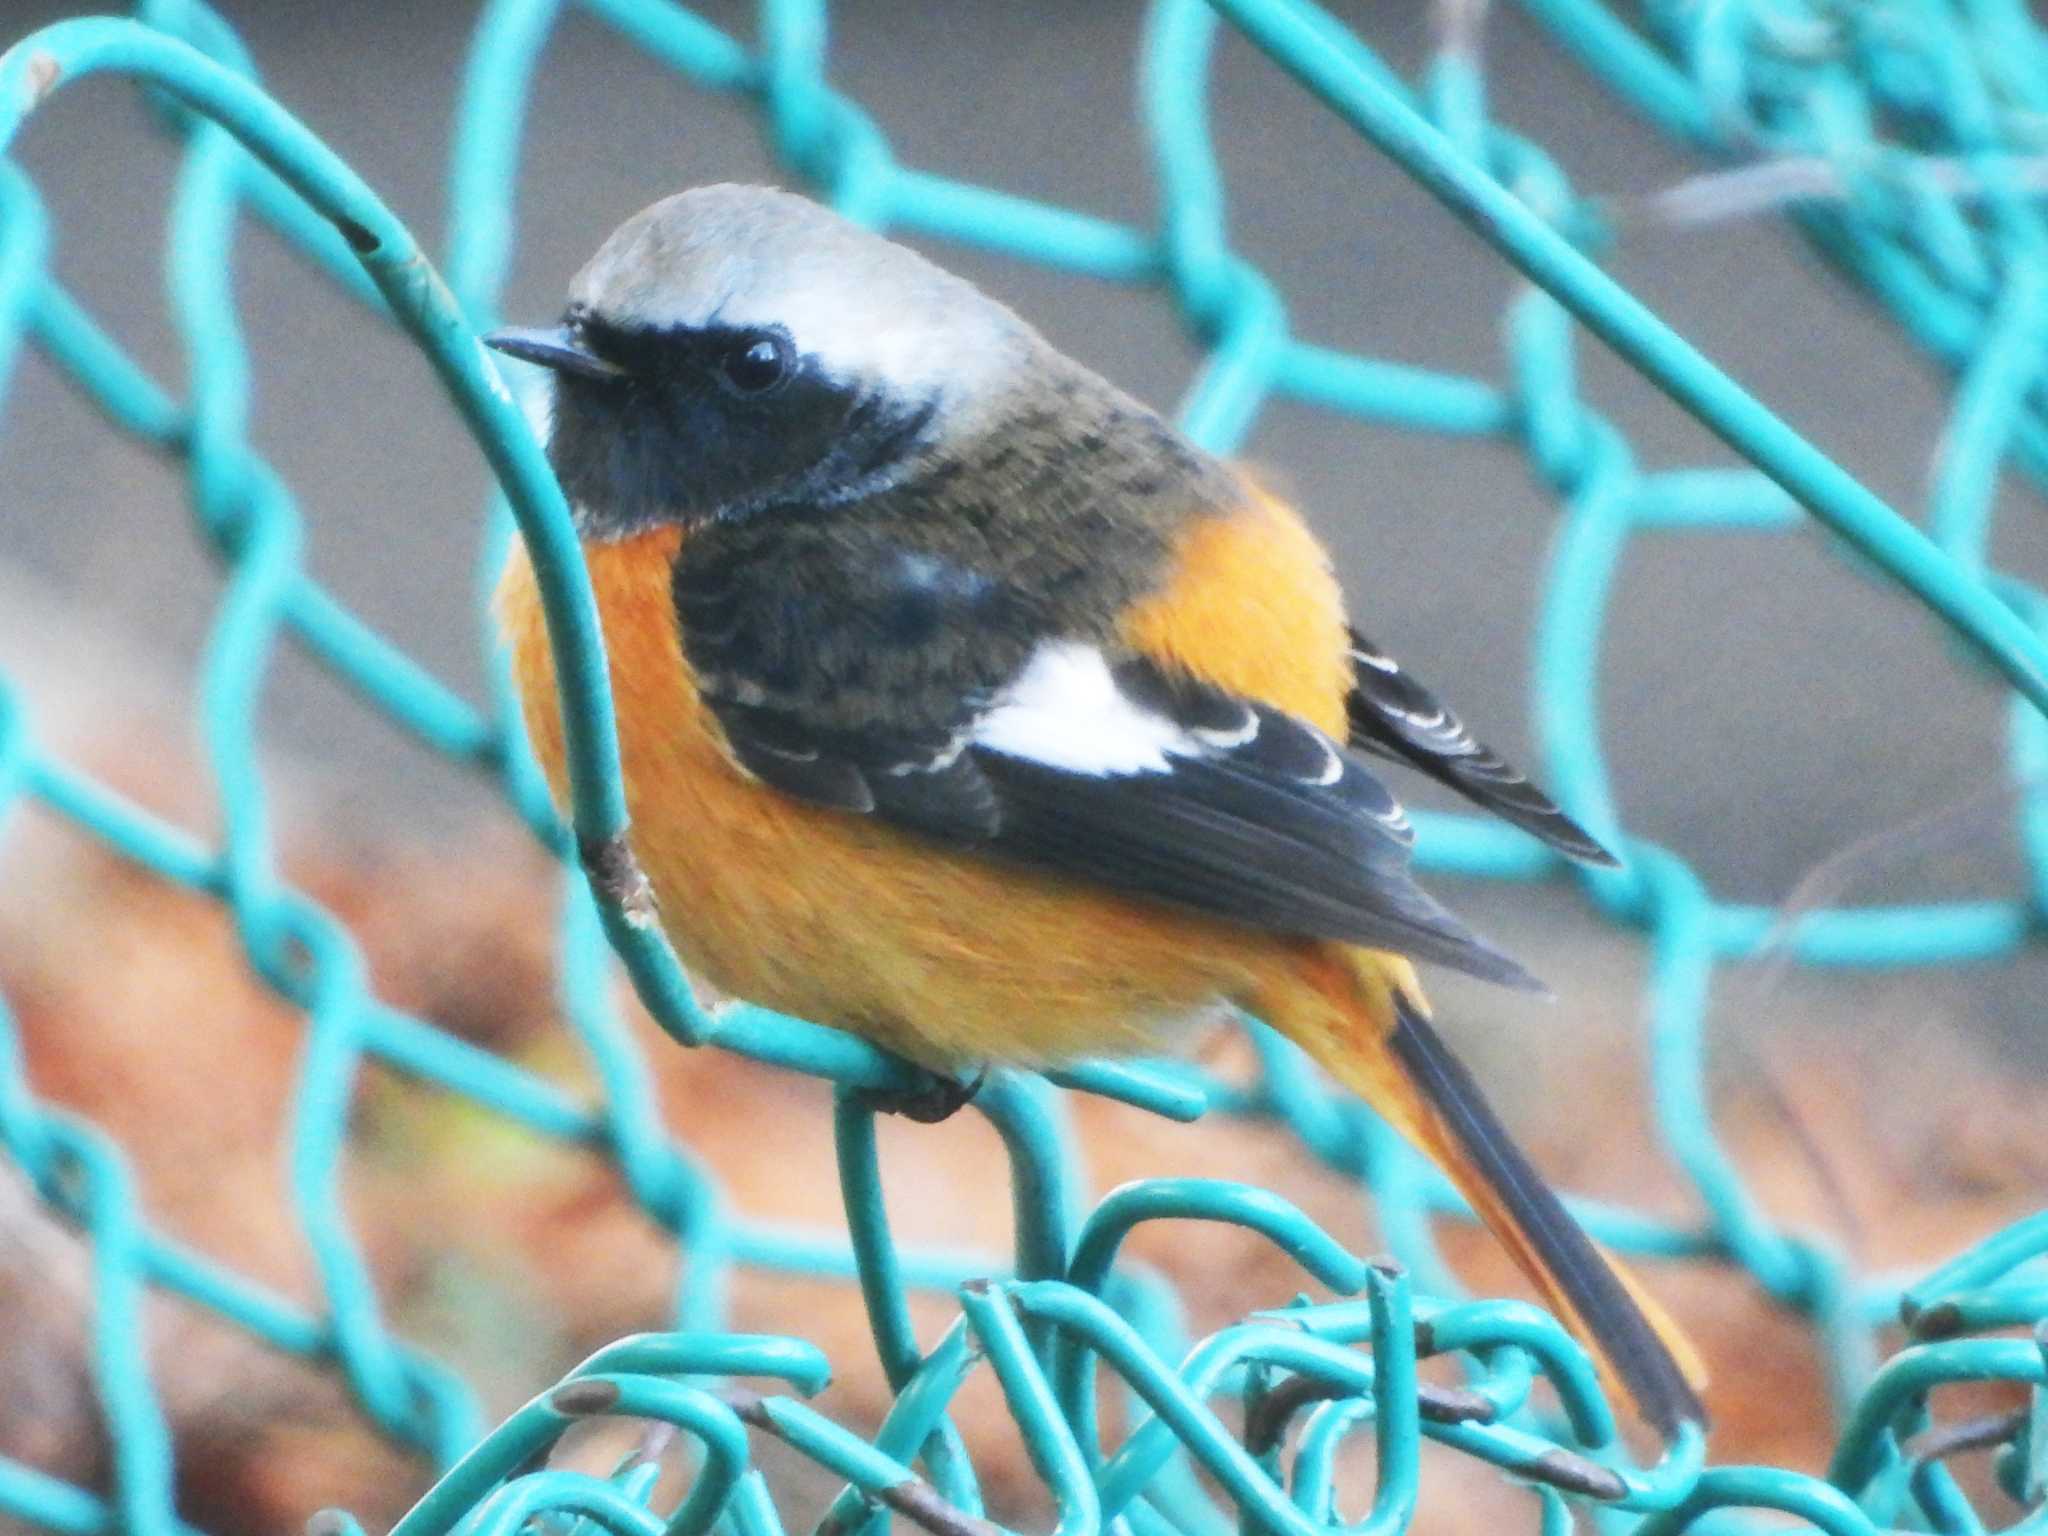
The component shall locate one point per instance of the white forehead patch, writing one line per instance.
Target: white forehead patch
(870, 310)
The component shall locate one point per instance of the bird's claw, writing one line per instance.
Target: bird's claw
(934, 1097)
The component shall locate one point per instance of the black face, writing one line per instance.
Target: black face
(715, 422)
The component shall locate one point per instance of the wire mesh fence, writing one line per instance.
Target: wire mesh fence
(1906, 140)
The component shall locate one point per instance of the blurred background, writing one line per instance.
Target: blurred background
(1767, 707)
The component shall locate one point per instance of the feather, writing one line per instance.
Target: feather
(1395, 717)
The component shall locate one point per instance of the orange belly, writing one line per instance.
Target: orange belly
(946, 958)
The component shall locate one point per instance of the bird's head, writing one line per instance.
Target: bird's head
(735, 348)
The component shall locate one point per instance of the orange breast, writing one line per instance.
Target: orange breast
(942, 956)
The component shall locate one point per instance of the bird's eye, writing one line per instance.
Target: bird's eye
(756, 363)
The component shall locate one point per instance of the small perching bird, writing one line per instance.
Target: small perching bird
(966, 705)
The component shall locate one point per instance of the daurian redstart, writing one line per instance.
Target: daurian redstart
(965, 704)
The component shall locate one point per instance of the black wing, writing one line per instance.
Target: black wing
(1396, 717)
(917, 779)
(861, 701)
(1249, 815)
(968, 728)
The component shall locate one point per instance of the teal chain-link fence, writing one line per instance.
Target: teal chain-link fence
(1905, 138)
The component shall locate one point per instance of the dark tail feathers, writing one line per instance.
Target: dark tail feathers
(1528, 1216)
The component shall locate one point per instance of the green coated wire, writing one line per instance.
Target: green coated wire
(1925, 116)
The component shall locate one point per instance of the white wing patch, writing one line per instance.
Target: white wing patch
(1066, 711)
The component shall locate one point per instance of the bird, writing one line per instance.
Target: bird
(965, 704)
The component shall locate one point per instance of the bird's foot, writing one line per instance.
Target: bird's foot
(935, 1096)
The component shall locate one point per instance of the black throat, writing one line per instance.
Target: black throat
(666, 443)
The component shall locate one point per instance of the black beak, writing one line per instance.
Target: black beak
(554, 347)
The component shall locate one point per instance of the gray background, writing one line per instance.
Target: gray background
(1765, 704)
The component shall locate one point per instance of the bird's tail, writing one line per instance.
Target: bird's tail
(1359, 1013)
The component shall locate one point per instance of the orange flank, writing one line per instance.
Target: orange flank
(1253, 607)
